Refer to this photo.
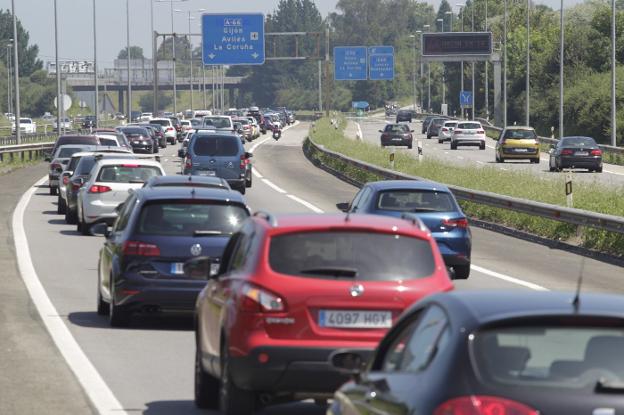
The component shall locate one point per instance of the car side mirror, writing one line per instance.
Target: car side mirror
(381, 131)
(100, 229)
(344, 206)
(411, 131)
(348, 362)
(119, 207)
(202, 268)
(248, 155)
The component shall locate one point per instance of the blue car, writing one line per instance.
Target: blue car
(433, 203)
(158, 229)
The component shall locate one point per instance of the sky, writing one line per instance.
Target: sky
(76, 22)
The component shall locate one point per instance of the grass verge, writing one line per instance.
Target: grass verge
(595, 198)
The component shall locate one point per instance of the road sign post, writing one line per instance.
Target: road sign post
(381, 63)
(350, 63)
(233, 39)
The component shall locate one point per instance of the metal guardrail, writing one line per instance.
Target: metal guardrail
(554, 212)
(28, 139)
(34, 151)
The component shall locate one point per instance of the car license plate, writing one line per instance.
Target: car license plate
(581, 153)
(355, 319)
(206, 172)
(177, 268)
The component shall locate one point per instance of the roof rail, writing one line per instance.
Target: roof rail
(416, 221)
(269, 217)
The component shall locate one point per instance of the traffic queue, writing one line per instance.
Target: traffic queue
(354, 309)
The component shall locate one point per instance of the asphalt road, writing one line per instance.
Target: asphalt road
(612, 175)
(149, 367)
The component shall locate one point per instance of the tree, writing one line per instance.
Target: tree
(28, 62)
(136, 52)
(146, 102)
(182, 45)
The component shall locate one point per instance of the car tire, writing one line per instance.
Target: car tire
(249, 180)
(232, 399)
(551, 168)
(599, 170)
(60, 205)
(462, 272)
(428, 137)
(409, 146)
(117, 315)
(102, 306)
(206, 387)
(70, 217)
(535, 161)
(482, 146)
(242, 189)
(85, 229)
(440, 141)
(53, 191)
(453, 146)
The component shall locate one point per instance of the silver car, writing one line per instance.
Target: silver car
(446, 131)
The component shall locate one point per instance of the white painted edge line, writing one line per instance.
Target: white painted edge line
(256, 173)
(274, 186)
(306, 204)
(96, 389)
(253, 148)
(508, 278)
(480, 162)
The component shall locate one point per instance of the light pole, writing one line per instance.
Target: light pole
(528, 63)
(9, 50)
(414, 71)
(487, 82)
(95, 75)
(450, 13)
(613, 66)
(428, 77)
(561, 38)
(443, 80)
(154, 61)
(461, 82)
(191, 46)
(129, 106)
(18, 133)
(472, 8)
(58, 72)
(505, 65)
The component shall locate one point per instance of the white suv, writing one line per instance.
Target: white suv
(26, 125)
(468, 133)
(108, 186)
(219, 122)
(446, 131)
(171, 135)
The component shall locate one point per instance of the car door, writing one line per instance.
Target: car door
(359, 202)
(398, 384)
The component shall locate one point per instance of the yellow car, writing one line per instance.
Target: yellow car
(517, 143)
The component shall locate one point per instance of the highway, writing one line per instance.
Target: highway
(612, 175)
(149, 366)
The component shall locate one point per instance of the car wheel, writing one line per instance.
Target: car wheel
(117, 315)
(599, 169)
(70, 216)
(409, 146)
(535, 161)
(482, 146)
(52, 191)
(206, 387)
(453, 146)
(232, 399)
(462, 272)
(102, 306)
(248, 180)
(85, 228)
(428, 137)
(60, 205)
(440, 141)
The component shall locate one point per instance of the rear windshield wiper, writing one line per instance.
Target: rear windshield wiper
(332, 271)
(208, 233)
(607, 386)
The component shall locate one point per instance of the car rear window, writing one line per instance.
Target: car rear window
(438, 121)
(351, 255)
(416, 201)
(218, 122)
(68, 152)
(520, 134)
(211, 145)
(108, 142)
(450, 124)
(181, 218)
(578, 141)
(396, 128)
(76, 140)
(550, 356)
(127, 173)
(468, 125)
(135, 131)
(161, 122)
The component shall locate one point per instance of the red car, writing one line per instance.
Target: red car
(293, 289)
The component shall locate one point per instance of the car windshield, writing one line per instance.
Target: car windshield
(520, 134)
(396, 128)
(127, 173)
(468, 126)
(551, 356)
(67, 152)
(416, 201)
(25, 121)
(218, 122)
(578, 142)
(211, 145)
(351, 255)
(184, 218)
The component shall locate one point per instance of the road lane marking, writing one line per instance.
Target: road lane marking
(253, 148)
(460, 157)
(94, 386)
(306, 204)
(480, 162)
(256, 173)
(274, 186)
(508, 278)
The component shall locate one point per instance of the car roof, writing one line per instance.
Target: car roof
(287, 223)
(407, 184)
(203, 193)
(143, 162)
(216, 182)
(160, 119)
(519, 127)
(578, 136)
(484, 307)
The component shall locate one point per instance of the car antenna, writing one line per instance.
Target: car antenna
(577, 296)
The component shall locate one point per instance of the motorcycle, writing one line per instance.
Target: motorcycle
(277, 132)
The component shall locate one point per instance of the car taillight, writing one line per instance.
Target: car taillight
(96, 188)
(596, 152)
(457, 131)
(188, 163)
(455, 223)
(444, 129)
(244, 161)
(257, 300)
(140, 249)
(169, 128)
(483, 405)
(480, 132)
(566, 152)
(65, 180)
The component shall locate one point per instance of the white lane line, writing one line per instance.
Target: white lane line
(480, 162)
(502, 168)
(96, 389)
(612, 172)
(490, 147)
(274, 186)
(256, 173)
(460, 157)
(253, 148)
(306, 204)
(508, 278)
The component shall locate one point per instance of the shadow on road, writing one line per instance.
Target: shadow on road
(188, 407)
(57, 221)
(139, 321)
(70, 233)
(49, 212)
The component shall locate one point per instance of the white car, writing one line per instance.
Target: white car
(66, 124)
(108, 186)
(468, 133)
(146, 116)
(186, 125)
(26, 126)
(446, 131)
(219, 122)
(170, 132)
(59, 160)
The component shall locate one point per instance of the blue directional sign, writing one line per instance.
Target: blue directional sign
(465, 99)
(381, 63)
(233, 39)
(350, 63)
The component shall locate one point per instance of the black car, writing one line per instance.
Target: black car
(141, 266)
(426, 122)
(433, 130)
(140, 139)
(160, 133)
(521, 353)
(88, 122)
(575, 153)
(404, 115)
(396, 135)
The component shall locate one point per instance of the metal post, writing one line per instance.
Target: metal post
(613, 67)
(414, 74)
(212, 71)
(173, 47)
(320, 85)
(18, 133)
(129, 98)
(204, 83)
(461, 83)
(154, 62)
(487, 79)
(223, 88)
(505, 66)
(9, 87)
(429, 86)
(190, 57)
(95, 76)
(560, 73)
(528, 64)
(472, 7)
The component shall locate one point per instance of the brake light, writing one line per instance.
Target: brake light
(480, 132)
(169, 128)
(130, 165)
(99, 189)
(596, 152)
(65, 180)
(140, 249)
(483, 405)
(455, 223)
(188, 164)
(457, 131)
(444, 129)
(566, 152)
(257, 300)
(244, 161)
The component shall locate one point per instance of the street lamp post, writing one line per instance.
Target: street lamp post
(461, 83)
(58, 72)
(613, 67)
(95, 70)
(428, 76)
(528, 62)
(443, 80)
(129, 105)
(505, 65)
(191, 47)
(472, 8)
(414, 72)
(487, 81)
(18, 133)
(9, 50)
(561, 40)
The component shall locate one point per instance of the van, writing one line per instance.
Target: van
(219, 154)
